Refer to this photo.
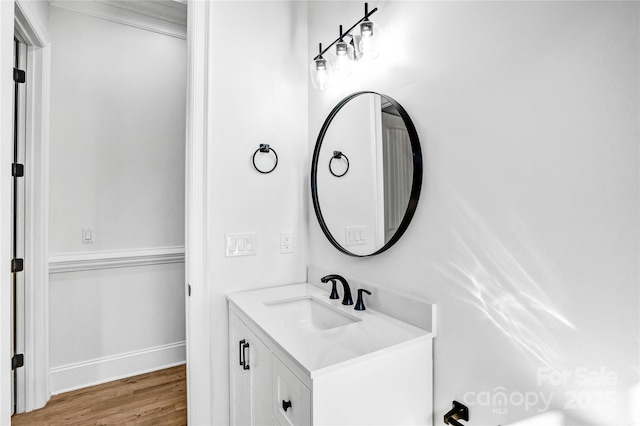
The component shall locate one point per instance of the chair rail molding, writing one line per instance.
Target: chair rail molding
(88, 261)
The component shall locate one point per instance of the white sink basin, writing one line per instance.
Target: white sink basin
(309, 313)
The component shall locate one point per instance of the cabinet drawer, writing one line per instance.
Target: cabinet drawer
(291, 398)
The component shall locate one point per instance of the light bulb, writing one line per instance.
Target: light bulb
(368, 44)
(341, 61)
(341, 48)
(322, 78)
(366, 29)
(321, 72)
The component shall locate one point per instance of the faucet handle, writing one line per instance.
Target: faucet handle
(360, 303)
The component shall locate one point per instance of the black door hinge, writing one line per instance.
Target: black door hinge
(19, 76)
(17, 170)
(17, 361)
(17, 265)
(189, 289)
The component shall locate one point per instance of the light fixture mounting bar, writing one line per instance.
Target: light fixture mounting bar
(364, 18)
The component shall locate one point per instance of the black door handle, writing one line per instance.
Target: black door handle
(286, 404)
(240, 343)
(244, 356)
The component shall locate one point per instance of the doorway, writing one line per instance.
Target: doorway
(132, 261)
(18, 197)
(26, 195)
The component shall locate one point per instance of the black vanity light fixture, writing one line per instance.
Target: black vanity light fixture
(350, 47)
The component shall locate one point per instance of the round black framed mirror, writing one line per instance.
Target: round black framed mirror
(365, 203)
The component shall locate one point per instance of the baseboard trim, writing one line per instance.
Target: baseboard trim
(87, 261)
(80, 375)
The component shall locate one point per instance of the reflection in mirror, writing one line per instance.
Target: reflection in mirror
(342, 162)
(366, 211)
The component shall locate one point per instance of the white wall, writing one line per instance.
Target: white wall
(526, 234)
(117, 165)
(117, 135)
(258, 95)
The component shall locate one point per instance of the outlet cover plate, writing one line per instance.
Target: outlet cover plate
(286, 242)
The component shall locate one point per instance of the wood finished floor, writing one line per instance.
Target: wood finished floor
(157, 398)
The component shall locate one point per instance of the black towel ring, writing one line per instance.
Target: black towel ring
(264, 147)
(338, 155)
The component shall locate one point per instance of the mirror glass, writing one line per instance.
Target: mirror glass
(366, 174)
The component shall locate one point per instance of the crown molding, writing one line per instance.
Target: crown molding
(166, 17)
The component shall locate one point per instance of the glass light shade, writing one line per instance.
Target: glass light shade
(341, 60)
(321, 73)
(369, 40)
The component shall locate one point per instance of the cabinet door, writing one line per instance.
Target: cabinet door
(250, 376)
(291, 398)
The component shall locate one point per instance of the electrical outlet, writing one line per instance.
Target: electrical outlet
(286, 242)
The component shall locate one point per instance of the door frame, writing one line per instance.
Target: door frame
(18, 234)
(200, 378)
(36, 275)
(199, 371)
(6, 158)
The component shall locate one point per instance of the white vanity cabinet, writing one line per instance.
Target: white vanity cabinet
(261, 385)
(373, 369)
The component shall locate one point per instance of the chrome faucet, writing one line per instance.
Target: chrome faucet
(347, 300)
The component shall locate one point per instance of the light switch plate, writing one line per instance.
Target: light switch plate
(243, 244)
(356, 235)
(88, 236)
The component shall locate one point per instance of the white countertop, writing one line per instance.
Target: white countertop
(318, 352)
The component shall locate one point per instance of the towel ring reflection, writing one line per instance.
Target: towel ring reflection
(338, 155)
(265, 148)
